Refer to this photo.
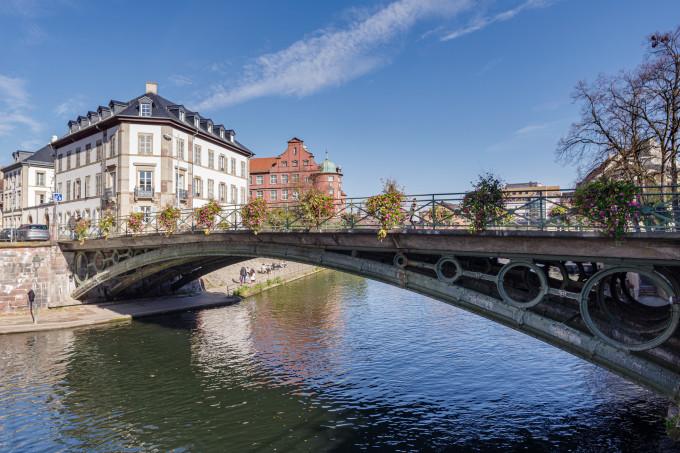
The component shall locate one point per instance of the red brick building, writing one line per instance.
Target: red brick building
(284, 177)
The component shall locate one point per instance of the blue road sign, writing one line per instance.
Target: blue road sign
(56, 196)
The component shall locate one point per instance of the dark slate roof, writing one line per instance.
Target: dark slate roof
(44, 155)
(161, 108)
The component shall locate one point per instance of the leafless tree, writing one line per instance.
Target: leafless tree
(624, 116)
(610, 133)
(660, 80)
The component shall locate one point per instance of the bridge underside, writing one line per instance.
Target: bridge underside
(571, 292)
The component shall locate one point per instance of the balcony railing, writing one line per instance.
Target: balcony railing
(182, 194)
(143, 193)
(108, 194)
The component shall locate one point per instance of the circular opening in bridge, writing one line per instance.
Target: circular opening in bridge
(448, 269)
(400, 260)
(99, 261)
(522, 284)
(81, 268)
(559, 276)
(630, 308)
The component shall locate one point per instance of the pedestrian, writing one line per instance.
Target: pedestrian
(412, 213)
(242, 275)
(72, 227)
(252, 275)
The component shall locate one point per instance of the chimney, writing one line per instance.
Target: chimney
(152, 87)
(54, 139)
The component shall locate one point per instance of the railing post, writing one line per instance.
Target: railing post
(287, 218)
(542, 206)
(433, 219)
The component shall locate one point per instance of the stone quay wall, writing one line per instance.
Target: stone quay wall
(40, 267)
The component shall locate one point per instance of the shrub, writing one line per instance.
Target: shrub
(167, 219)
(82, 229)
(442, 215)
(106, 224)
(315, 207)
(278, 218)
(608, 204)
(135, 222)
(350, 219)
(206, 215)
(386, 208)
(254, 214)
(485, 204)
(558, 211)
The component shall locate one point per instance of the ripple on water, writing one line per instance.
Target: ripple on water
(331, 362)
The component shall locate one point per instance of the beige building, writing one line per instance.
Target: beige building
(143, 155)
(531, 201)
(27, 188)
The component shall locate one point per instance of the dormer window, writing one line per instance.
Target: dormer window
(181, 115)
(145, 109)
(210, 128)
(221, 133)
(196, 121)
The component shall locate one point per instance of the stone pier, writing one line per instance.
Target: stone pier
(40, 267)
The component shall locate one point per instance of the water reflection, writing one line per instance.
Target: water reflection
(330, 363)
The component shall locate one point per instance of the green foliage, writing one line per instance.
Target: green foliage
(315, 207)
(245, 291)
(278, 218)
(485, 204)
(206, 215)
(168, 218)
(82, 229)
(135, 222)
(386, 208)
(107, 223)
(442, 215)
(608, 204)
(673, 427)
(254, 214)
(350, 219)
(558, 211)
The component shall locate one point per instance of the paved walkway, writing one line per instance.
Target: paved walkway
(88, 315)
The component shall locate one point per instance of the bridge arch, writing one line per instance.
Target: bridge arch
(544, 324)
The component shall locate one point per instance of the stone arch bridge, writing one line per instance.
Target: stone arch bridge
(613, 303)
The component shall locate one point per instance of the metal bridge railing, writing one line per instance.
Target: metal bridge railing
(526, 210)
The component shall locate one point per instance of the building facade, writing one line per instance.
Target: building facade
(284, 177)
(531, 201)
(143, 155)
(27, 188)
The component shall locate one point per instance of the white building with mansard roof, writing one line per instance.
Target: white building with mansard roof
(27, 189)
(145, 154)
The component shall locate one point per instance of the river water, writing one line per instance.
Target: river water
(328, 363)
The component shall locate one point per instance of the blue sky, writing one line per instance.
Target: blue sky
(430, 92)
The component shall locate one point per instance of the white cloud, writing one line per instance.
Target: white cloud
(14, 105)
(531, 128)
(485, 21)
(330, 57)
(180, 80)
(70, 107)
(13, 91)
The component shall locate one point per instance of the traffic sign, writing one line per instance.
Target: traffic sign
(56, 196)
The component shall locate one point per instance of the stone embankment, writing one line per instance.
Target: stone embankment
(42, 268)
(36, 266)
(226, 279)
